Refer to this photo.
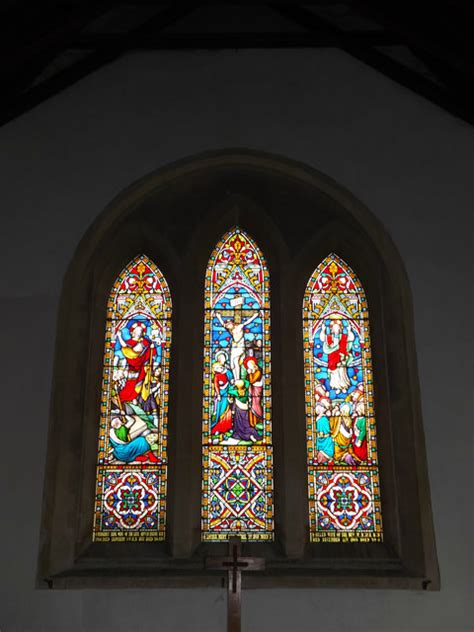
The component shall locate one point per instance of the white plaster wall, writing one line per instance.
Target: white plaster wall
(408, 161)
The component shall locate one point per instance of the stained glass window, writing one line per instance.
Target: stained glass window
(130, 500)
(237, 493)
(343, 477)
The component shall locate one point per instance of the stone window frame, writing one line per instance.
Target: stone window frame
(297, 217)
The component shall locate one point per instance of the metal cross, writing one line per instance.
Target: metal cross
(234, 564)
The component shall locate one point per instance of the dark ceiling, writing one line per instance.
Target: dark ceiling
(48, 45)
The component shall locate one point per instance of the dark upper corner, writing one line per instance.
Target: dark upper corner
(48, 45)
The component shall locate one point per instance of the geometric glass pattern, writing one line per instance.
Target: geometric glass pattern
(237, 482)
(130, 502)
(343, 476)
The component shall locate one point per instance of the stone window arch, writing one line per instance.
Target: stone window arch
(176, 216)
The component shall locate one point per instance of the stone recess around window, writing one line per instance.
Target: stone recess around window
(176, 216)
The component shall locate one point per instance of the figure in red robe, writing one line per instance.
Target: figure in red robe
(221, 421)
(139, 353)
(337, 345)
(360, 432)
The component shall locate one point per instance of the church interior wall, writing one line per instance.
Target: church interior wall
(404, 158)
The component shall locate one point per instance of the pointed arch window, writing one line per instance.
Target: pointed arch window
(130, 502)
(237, 492)
(343, 477)
(200, 482)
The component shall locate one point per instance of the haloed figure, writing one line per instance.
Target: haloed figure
(324, 440)
(221, 421)
(242, 430)
(360, 432)
(337, 338)
(128, 450)
(255, 379)
(237, 349)
(139, 352)
(343, 434)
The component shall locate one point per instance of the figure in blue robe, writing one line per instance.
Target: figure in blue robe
(128, 452)
(324, 440)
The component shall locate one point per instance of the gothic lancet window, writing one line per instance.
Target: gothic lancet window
(237, 494)
(130, 502)
(343, 477)
(141, 494)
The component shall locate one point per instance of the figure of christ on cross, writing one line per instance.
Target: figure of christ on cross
(234, 564)
(237, 348)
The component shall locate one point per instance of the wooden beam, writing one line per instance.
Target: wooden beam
(461, 106)
(27, 50)
(212, 41)
(318, 33)
(20, 104)
(444, 37)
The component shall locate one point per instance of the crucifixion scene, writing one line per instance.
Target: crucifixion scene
(237, 452)
(235, 248)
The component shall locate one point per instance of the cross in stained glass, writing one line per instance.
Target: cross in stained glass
(237, 488)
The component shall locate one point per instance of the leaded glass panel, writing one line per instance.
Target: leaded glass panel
(237, 491)
(130, 500)
(343, 475)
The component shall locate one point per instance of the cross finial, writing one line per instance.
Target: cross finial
(234, 564)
